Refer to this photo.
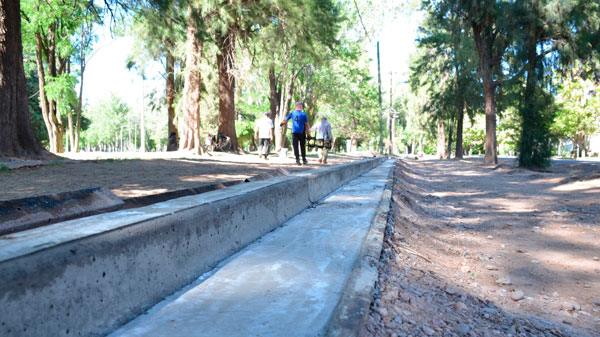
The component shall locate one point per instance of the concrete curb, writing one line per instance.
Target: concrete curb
(350, 315)
(88, 276)
(26, 213)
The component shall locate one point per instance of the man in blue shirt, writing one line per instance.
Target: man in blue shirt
(299, 129)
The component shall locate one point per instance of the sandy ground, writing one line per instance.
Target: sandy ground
(479, 251)
(139, 174)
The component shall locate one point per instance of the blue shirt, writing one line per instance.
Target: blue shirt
(298, 119)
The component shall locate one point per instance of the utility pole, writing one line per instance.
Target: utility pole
(391, 120)
(143, 112)
(380, 104)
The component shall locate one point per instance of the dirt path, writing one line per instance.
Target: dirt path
(475, 251)
(137, 174)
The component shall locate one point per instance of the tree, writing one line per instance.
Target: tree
(107, 121)
(489, 22)
(190, 123)
(50, 27)
(158, 30)
(578, 111)
(295, 36)
(85, 42)
(18, 139)
(445, 66)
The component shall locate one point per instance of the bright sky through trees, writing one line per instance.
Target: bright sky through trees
(107, 73)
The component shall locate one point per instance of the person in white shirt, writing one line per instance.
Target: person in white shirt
(263, 131)
(323, 138)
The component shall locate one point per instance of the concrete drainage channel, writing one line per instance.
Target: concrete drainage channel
(87, 276)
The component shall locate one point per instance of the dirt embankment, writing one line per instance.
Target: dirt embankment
(137, 174)
(476, 251)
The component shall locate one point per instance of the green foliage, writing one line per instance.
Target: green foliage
(37, 120)
(474, 136)
(444, 78)
(509, 131)
(4, 169)
(245, 132)
(578, 110)
(107, 120)
(61, 90)
(535, 144)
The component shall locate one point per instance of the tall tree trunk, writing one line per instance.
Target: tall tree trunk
(225, 62)
(489, 92)
(441, 139)
(353, 144)
(449, 145)
(280, 131)
(86, 41)
(18, 139)
(275, 95)
(70, 133)
(50, 114)
(172, 134)
(280, 135)
(190, 124)
(528, 107)
(459, 130)
(79, 107)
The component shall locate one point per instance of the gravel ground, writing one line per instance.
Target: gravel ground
(477, 251)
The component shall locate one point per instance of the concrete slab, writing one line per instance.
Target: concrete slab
(22, 214)
(287, 283)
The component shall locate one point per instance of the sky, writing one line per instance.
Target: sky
(396, 44)
(106, 71)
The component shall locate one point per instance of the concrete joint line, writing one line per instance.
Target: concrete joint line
(351, 313)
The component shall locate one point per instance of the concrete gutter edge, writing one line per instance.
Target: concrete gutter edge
(351, 313)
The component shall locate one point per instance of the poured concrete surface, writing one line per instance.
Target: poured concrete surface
(287, 283)
(22, 214)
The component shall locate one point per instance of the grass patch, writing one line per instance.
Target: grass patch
(4, 169)
(55, 162)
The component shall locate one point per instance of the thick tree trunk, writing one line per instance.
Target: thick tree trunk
(459, 131)
(441, 139)
(353, 144)
(225, 62)
(286, 101)
(18, 139)
(190, 124)
(275, 95)
(172, 134)
(489, 92)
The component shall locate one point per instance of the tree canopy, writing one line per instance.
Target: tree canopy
(487, 77)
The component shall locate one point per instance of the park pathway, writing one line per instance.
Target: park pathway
(287, 283)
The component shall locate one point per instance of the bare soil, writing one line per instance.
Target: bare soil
(472, 250)
(136, 174)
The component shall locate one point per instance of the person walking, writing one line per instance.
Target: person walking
(263, 131)
(323, 138)
(299, 130)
